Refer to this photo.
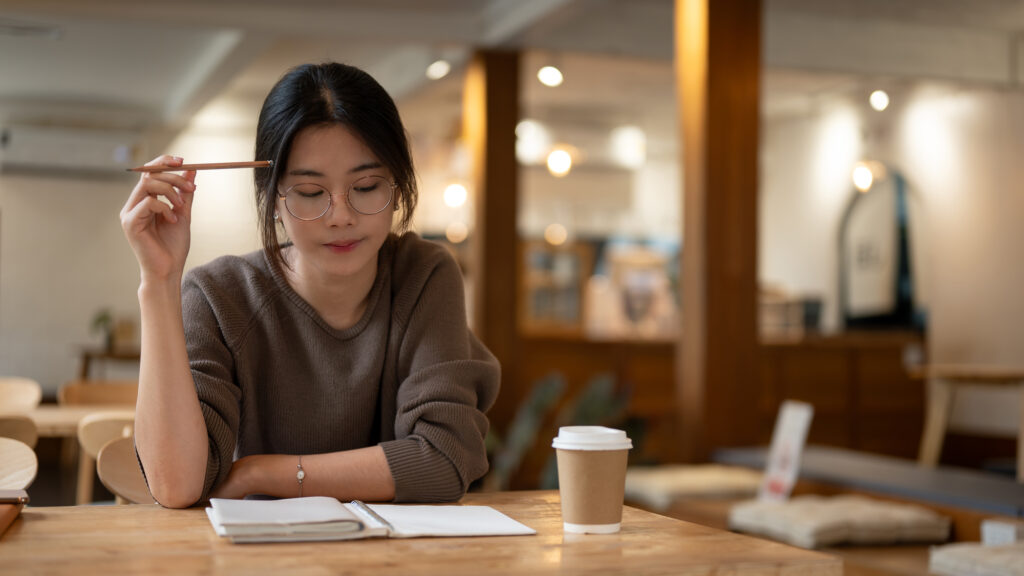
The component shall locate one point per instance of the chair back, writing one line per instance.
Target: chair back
(19, 395)
(119, 471)
(18, 465)
(20, 428)
(99, 392)
(95, 430)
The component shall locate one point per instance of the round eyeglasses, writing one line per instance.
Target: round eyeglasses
(368, 196)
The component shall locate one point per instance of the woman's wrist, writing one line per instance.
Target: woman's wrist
(155, 287)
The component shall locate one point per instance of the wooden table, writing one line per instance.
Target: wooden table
(943, 382)
(151, 540)
(61, 420)
(89, 355)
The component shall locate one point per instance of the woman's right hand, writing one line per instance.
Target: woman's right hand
(158, 233)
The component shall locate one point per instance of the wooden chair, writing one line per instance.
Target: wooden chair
(20, 428)
(944, 380)
(94, 393)
(18, 395)
(18, 465)
(99, 392)
(119, 471)
(94, 431)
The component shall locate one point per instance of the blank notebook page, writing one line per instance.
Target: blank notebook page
(413, 521)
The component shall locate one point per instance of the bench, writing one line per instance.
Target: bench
(943, 486)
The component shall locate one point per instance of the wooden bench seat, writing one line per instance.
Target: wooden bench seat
(900, 479)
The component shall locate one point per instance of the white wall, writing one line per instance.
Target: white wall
(963, 149)
(805, 186)
(63, 255)
(959, 150)
(62, 258)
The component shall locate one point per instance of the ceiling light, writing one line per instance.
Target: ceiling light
(862, 177)
(455, 195)
(559, 162)
(438, 69)
(629, 146)
(456, 232)
(556, 234)
(533, 141)
(550, 76)
(879, 100)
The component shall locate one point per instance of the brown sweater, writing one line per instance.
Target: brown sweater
(274, 378)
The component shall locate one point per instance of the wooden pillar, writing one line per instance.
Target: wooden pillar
(490, 112)
(717, 59)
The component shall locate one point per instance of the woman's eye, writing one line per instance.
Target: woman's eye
(365, 189)
(307, 191)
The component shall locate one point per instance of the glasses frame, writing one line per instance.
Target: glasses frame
(330, 198)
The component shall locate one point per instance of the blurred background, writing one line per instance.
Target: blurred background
(888, 200)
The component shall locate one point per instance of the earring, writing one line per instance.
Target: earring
(277, 216)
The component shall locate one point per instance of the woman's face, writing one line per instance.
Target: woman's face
(342, 243)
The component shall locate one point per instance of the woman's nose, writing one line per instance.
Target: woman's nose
(340, 213)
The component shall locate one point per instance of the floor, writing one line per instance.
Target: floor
(55, 481)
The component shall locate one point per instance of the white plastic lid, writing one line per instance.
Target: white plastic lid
(591, 438)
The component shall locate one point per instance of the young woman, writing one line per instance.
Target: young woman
(339, 363)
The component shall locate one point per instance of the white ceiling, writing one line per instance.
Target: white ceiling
(149, 65)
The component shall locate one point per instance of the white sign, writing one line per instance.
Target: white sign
(783, 466)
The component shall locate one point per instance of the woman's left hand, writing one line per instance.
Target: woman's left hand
(240, 481)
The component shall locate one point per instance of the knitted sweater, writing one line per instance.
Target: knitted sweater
(274, 378)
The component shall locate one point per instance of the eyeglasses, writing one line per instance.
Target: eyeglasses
(368, 196)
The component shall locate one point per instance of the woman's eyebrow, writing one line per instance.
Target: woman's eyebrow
(365, 166)
(316, 173)
(305, 172)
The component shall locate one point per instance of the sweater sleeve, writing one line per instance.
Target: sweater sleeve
(450, 381)
(212, 365)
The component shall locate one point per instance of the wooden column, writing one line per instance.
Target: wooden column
(717, 59)
(490, 113)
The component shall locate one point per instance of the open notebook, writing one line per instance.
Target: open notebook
(324, 518)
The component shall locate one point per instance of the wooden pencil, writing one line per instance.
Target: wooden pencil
(210, 166)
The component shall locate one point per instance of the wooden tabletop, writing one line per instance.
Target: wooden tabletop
(61, 420)
(151, 540)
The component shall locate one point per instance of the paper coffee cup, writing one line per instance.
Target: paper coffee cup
(591, 477)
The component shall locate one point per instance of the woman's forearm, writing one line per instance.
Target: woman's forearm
(361, 474)
(170, 432)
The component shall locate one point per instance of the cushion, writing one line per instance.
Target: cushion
(816, 521)
(973, 559)
(658, 486)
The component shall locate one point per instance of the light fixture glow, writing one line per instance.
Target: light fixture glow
(629, 146)
(532, 142)
(879, 100)
(555, 234)
(438, 69)
(862, 177)
(550, 76)
(456, 232)
(559, 162)
(455, 195)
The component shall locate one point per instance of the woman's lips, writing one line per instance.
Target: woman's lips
(340, 247)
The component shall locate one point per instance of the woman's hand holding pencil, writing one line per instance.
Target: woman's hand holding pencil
(210, 166)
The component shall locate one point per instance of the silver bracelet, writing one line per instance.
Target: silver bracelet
(300, 475)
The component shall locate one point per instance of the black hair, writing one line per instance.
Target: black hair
(325, 94)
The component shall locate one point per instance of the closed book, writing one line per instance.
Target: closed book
(322, 518)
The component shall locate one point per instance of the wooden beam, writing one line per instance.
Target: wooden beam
(490, 113)
(717, 59)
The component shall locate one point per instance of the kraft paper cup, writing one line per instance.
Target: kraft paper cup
(591, 477)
